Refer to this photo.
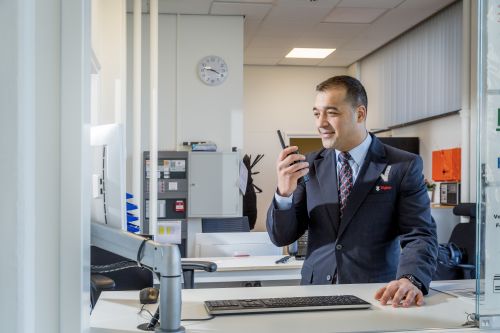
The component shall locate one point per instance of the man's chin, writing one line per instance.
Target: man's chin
(327, 144)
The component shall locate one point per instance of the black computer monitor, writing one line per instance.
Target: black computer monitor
(409, 144)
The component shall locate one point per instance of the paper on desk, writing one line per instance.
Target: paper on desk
(169, 232)
(243, 177)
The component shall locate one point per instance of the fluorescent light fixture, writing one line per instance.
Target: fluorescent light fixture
(298, 52)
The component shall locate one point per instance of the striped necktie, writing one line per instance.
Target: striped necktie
(345, 180)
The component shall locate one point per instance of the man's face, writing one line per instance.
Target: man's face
(340, 125)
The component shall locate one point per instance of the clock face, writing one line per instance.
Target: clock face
(212, 70)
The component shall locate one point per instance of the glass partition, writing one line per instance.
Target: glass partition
(488, 190)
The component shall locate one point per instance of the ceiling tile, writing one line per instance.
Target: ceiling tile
(434, 5)
(250, 1)
(307, 3)
(198, 7)
(262, 61)
(342, 56)
(324, 43)
(299, 61)
(275, 28)
(274, 42)
(354, 15)
(370, 3)
(335, 30)
(394, 23)
(252, 11)
(250, 29)
(312, 15)
(267, 52)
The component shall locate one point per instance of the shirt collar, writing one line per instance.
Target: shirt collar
(359, 152)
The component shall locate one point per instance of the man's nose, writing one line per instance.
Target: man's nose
(321, 120)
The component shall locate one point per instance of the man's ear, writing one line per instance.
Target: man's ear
(361, 113)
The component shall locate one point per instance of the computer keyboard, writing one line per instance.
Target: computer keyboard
(285, 304)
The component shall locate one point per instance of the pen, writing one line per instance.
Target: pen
(282, 260)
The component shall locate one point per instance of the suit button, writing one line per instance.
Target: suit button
(338, 246)
(328, 277)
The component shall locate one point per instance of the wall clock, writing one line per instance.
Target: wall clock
(212, 70)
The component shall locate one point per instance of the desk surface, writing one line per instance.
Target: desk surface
(249, 268)
(117, 312)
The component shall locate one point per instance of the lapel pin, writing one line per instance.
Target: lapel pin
(385, 175)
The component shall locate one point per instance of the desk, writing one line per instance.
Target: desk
(117, 312)
(250, 268)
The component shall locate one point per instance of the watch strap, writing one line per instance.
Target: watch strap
(413, 280)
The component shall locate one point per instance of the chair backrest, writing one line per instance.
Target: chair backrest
(225, 224)
(229, 244)
(464, 237)
(128, 279)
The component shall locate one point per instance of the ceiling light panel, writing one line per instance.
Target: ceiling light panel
(354, 15)
(309, 53)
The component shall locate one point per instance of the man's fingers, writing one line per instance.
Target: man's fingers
(400, 293)
(389, 292)
(420, 298)
(409, 299)
(379, 293)
(287, 151)
(293, 158)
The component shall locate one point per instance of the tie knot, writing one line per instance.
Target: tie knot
(344, 157)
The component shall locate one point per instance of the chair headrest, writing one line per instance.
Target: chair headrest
(465, 209)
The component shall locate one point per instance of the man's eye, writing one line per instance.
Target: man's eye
(332, 113)
(316, 114)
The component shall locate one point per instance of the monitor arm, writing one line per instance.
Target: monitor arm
(164, 259)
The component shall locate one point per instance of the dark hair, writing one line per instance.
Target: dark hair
(355, 94)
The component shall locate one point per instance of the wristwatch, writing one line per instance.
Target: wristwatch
(413, 280)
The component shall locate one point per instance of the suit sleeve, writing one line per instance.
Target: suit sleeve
(286, 226)
(416, 226)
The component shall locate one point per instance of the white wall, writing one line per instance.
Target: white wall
(43, 277)
(189, 110)
(277, 97)
(442, 133)
(10, 284)
(108, 36)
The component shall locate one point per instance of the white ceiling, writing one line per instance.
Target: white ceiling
(354, 28)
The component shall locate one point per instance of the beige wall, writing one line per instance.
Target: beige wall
(277, 97)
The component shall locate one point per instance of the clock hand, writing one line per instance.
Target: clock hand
(211, 69)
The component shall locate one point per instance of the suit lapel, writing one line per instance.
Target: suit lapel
(372, 168)
(326, 171)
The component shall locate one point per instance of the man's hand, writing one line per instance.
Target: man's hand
(289, 173)
(400, 292)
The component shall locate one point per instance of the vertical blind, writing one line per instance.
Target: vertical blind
(417, 75)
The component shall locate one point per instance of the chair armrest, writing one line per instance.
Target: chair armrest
(101, 282)
(207, 266)
(188, 268)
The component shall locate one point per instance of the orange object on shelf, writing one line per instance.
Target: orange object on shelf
(446, 165)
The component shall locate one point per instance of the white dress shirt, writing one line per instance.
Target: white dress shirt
(358, 155)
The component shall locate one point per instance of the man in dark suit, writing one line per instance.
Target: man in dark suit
(365, 205)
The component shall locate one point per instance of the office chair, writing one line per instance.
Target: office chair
(225, 224)
(457, 258)
(134, 278)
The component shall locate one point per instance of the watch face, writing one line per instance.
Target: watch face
(212, 70)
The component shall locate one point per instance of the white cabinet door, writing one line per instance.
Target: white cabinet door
(213, 185)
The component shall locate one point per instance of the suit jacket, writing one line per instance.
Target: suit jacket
(386, 230)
